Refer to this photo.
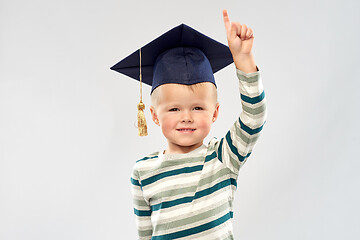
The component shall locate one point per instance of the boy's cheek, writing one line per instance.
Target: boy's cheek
(166, 125)
(167, 118)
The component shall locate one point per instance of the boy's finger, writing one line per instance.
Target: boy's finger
(243, 32)
(249, 33)
(234, 30)
(226, 20)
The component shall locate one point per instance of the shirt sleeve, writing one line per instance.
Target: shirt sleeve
(142, 208)
(235, 148)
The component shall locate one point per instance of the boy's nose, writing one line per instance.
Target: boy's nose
(186, 117)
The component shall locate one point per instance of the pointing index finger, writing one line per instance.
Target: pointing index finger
(226, 21)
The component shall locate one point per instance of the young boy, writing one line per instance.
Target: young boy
(187, 190)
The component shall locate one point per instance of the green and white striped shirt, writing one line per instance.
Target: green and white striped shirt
(189, 196)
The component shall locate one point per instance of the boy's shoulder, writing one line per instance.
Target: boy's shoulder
(150, 156)
(143, 164)
(146, 161)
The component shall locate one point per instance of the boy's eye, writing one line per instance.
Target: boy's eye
(174, 109)
(198, 108)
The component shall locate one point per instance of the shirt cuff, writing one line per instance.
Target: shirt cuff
(238, 71)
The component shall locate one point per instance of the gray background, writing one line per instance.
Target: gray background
(67, 135)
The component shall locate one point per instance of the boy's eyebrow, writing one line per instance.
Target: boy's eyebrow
(168, 104)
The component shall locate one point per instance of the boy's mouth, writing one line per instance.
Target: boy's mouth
(186, 129)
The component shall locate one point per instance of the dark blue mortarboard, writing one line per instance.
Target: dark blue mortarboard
(181, 55)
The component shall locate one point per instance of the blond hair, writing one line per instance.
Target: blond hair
(156, 94)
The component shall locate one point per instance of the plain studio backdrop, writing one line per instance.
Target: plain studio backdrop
(68, 140)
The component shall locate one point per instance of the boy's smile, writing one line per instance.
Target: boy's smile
(185, 130)
(185, 115)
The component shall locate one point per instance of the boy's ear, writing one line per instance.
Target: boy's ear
(154, 115)
(216, 112)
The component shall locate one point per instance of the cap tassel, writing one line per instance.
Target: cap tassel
(142, 127)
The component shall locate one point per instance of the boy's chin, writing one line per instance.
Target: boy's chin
(186, 146)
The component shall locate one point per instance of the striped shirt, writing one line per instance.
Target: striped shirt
(190, 196)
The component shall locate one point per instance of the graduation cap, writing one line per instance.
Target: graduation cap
(182, 55)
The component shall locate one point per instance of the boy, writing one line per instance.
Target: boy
(187, 190)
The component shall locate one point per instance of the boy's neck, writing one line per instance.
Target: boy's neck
(176, 149)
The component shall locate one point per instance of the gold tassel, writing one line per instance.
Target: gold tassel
(142, 127)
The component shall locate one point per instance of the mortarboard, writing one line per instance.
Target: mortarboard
(181, 55)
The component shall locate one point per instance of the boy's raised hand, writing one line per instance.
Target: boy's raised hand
(240, 37)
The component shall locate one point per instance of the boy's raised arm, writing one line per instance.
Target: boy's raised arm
(237, 145)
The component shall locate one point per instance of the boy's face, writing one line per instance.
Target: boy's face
(185, 115)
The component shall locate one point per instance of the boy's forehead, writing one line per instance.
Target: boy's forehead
(182, 92)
